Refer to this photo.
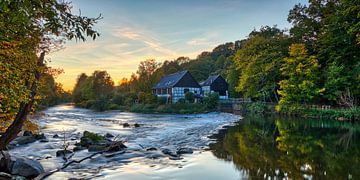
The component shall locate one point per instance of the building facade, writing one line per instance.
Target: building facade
(217, 84)
(174, 86)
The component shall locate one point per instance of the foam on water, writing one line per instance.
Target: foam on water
(159, 131)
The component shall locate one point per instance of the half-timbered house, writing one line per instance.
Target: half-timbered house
(175, 86)
(215, 83)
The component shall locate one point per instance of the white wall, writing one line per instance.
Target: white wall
(178, 92)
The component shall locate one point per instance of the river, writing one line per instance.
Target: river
(226, 146)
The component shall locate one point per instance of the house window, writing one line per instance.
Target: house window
(186, 90)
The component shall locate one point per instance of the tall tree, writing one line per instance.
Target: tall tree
(28, 30)
(258, 62)
(301, 76)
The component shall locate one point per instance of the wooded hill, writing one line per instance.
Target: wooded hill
(316, 61)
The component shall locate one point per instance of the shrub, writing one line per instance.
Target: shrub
(211, 101)
(161, 100)
(258, 107)
(181, 101)
(189, 96)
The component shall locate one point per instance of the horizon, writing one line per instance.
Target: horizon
(133, 32)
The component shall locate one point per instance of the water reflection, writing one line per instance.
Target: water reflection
(294, 148)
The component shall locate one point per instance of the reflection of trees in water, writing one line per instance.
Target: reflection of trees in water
(296, 147)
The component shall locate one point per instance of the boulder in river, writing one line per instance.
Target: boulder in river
(108, 135)
(108, 147)
(56, 136)
(63, 153)
(169, 152)
(79, 148)
(137, 125)
(126, 125)
(184, 151)
(24, 167)
(90, 138)
(23, 140)
(27, 133)
(40, 136)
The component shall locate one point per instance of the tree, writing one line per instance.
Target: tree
(301, 75)
(145, 75)
(77, 94)
(102, 84)
(258, 62)
(29, 30)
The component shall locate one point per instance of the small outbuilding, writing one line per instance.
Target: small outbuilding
(175, 86)
(215, 83)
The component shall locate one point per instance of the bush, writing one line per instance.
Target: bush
(161, 100)
(181, 101)
(258, 107)
(189, 96)
(211, 101)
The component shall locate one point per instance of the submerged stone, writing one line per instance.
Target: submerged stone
(63, 152)
(125, 125)
(184, 151)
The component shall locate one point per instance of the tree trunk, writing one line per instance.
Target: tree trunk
(16, 126)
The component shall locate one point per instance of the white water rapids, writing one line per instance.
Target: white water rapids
(158, 131)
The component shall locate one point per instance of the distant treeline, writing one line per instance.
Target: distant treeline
(316, 61)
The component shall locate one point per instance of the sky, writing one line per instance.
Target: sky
(135, 30)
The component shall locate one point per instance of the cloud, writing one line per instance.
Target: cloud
(207, 39)
(146, 38)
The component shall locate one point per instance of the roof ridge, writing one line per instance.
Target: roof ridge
(184, 72)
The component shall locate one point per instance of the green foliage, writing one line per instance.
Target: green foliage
(211, 101)
(177, 108)
(161, 100)
(258, 62)
(93, 136)
(301, 76)
(189, 97)
(94, 91)
(258, 108)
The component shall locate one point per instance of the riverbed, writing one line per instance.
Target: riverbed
(226, 146)
(156, 131)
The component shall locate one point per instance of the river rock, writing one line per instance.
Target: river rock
(97, 147)
(26, 167)
(151, 149)
(79, 148)
(23, 140)
(40, 136)
(184, 151)
(27, 133)
(108, 147)
(56, 136)
(63, 153)
(108, 135)
(137, 125)
(169, 152)
(125, 125)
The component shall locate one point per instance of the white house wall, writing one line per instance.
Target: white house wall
(178, 92)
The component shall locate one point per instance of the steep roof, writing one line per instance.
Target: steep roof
(209, 80)
(170, 80)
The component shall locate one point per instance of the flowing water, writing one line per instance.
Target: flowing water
(225, 146)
